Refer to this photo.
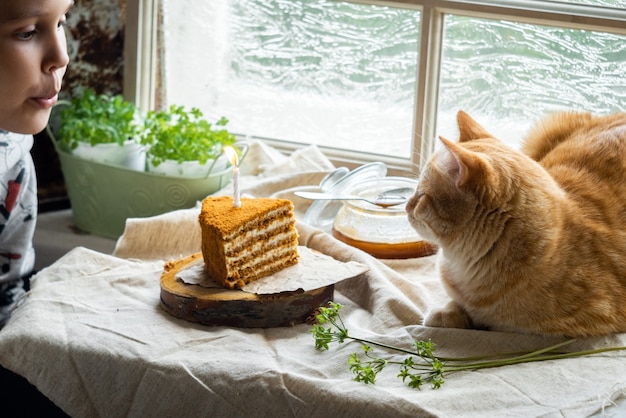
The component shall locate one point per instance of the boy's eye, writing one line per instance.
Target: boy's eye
(62, 22)
(26, 35)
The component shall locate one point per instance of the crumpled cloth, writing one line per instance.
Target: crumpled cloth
(93, 338)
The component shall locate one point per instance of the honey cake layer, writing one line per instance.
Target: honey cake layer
(219, 214)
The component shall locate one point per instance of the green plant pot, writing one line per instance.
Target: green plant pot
(189, 169)
(103, 196)
(130, 155)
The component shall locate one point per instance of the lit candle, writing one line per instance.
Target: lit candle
(231, 154)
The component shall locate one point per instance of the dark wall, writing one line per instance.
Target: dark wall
(95, 37)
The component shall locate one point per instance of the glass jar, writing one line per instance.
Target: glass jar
(381, 232)
(321, 213)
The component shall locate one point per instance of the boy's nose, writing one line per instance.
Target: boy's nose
(56, 54)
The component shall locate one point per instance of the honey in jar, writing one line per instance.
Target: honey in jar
(381, 232)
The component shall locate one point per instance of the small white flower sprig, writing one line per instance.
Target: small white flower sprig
(421, 365)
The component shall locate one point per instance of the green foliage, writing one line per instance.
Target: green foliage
(335, 332)
(184, 135)
(420, 364)
(366, 371)
(98, 119)
(173, 134)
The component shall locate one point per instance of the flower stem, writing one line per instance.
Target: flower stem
(428, 368)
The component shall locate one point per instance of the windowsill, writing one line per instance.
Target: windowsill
(396, 166)
(56, 234)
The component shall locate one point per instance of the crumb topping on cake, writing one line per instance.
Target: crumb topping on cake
(220, 213)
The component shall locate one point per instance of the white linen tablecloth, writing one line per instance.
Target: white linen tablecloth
(92, 337)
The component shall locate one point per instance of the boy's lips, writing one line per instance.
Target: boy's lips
(47, 101)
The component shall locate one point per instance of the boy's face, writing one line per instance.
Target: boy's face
(33, 60)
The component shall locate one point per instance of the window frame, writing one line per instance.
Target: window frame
(140, 59)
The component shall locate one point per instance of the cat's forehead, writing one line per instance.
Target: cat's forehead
(436, 168)
(442, 159)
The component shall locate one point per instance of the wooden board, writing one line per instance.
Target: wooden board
(236, 308)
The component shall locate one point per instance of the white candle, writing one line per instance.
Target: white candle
(231, 154)
(236, 197)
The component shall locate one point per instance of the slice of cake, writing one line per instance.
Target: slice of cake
(243, 244)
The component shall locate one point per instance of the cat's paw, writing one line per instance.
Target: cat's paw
(450, 316)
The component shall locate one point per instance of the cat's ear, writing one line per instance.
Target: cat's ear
(463, 165)
(469, 129)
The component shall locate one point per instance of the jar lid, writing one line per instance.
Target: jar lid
(321, 213)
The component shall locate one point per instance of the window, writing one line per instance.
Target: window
(509, 73)
(377, 81)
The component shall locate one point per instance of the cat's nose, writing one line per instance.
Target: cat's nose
(412, 202)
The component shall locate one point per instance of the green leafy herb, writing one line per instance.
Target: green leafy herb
(184, 135)
(420, 365)
(98, 119)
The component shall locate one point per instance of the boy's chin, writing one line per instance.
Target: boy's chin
(31, 125)
(40, 122)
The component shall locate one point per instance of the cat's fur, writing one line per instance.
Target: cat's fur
(531, 241)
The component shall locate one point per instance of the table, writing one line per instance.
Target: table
(92, 337)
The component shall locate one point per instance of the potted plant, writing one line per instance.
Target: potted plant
(104, 196)
(102, 128)
(181, 142)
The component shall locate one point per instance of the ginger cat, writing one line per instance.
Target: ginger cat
(531, 241)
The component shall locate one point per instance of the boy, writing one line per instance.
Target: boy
(33, 60)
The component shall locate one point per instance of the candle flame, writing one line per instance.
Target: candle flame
(231, 154)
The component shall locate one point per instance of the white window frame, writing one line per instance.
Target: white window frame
(140, 57)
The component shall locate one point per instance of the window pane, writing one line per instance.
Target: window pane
(311, 71)
(506, 74)
(619, 4)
